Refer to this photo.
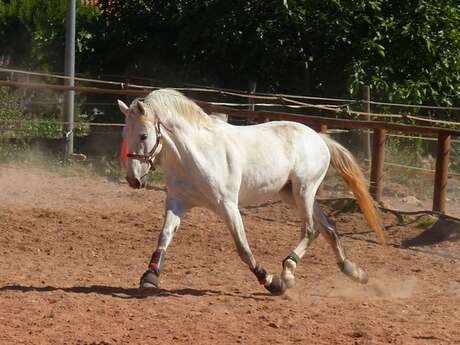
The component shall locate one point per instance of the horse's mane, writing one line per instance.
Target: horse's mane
(168, 104)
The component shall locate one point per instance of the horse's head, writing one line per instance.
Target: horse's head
(143, 136)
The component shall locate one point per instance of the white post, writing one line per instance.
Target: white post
(69, 70)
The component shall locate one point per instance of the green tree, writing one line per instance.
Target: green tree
(33, 32)
(406, 51)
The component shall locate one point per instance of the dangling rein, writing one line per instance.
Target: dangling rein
(150, 158)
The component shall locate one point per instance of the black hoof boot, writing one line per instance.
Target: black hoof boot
(150, 280)
(277, 286)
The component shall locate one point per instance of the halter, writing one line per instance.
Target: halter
(150, 158)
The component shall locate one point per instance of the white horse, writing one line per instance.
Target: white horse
(210, 163)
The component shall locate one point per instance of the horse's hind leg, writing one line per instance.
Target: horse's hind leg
(330, 234)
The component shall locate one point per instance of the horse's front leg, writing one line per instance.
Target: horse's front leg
(175, 210)
(232, 217)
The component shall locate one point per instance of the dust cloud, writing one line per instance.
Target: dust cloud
(381, 285)
(24, 185)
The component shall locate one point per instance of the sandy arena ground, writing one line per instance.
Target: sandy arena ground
(73, 246)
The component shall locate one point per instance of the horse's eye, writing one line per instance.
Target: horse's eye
(143, 136)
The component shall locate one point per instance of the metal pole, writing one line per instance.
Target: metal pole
(366, 94)
(441, 174)
(69, 71)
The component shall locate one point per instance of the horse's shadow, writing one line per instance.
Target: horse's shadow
(441, 231)
(125, 293)
(114, 291)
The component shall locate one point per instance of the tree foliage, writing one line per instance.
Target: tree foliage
(405, 50)
(32, 32)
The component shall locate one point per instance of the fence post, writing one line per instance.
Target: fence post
(252, 90)
(322, 128)
(69, 67)
(366, 96)
(378, 158)
(441, 174)
(252, 107)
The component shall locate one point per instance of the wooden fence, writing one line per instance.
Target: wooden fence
(378, 144)
(320, 123)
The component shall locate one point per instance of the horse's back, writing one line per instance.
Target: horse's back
(292, 141)
(274, 153)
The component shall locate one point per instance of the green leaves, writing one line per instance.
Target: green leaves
(10, 105)
(406, 51)
(420, 49)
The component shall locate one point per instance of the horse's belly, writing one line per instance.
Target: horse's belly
(266, 171)
(256, 199)
(254, 192)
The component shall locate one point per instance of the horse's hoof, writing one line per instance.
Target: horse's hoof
(150, 280)
(363, 277)
(354, 272)
(276, 286)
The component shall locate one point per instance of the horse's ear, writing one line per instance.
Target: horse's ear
(140, 107)
(123, 107)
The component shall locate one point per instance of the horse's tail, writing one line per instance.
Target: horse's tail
(343, 161)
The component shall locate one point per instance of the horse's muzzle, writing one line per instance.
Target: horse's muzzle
(135, 182)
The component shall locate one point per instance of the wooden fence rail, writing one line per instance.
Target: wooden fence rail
(320, 123)
(378, 152)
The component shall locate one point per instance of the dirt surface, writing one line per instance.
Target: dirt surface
(73, 246)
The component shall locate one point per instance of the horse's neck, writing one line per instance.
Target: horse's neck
(186, 137)
(181, 145)
(176, 160)
(173, 122)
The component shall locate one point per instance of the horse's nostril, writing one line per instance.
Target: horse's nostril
(133, 182)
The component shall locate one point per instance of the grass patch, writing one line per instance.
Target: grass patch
(342, 204)
(420, 221)
(156, 176)
(425, 222)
